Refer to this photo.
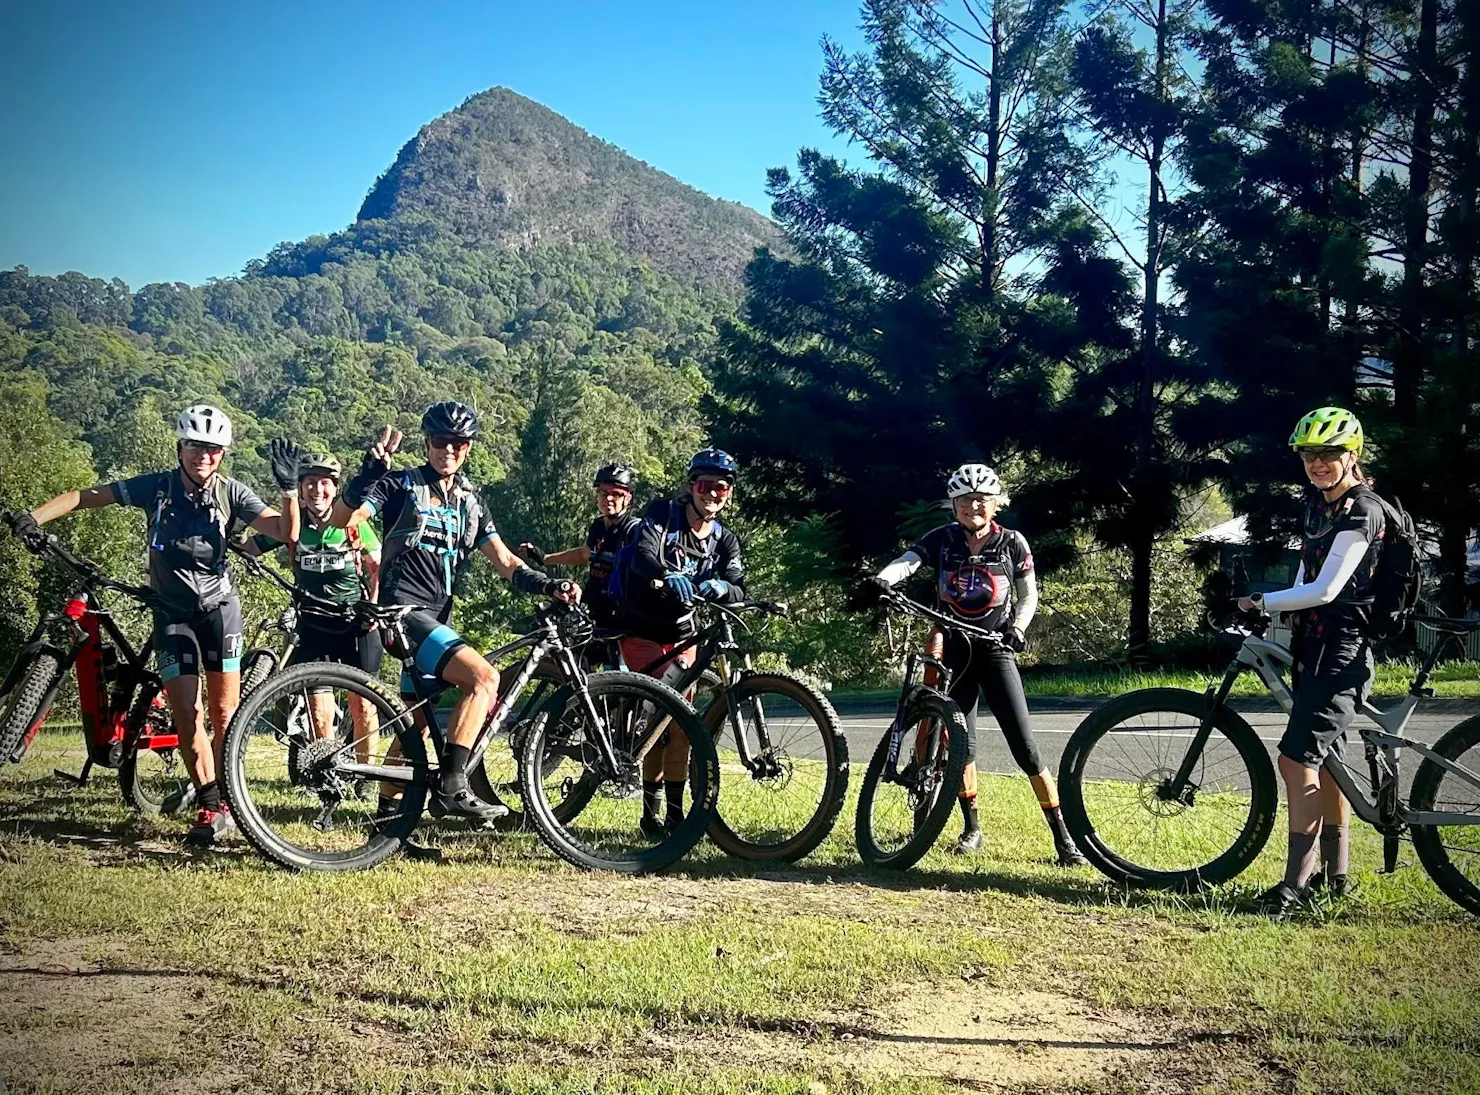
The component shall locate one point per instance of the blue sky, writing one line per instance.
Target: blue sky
(174, 141)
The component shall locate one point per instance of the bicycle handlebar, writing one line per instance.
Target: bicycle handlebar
(900, 603)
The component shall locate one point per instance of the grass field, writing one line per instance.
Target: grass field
(132, 965)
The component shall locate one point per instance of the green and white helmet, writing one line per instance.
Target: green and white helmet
(1328, 428)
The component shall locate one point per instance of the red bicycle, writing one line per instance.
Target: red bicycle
(126, 724)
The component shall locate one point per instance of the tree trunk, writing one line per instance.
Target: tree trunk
(1409, 362)
(1143, 541)
(994, 157)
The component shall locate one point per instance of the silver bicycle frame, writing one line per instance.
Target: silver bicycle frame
(1266, 658)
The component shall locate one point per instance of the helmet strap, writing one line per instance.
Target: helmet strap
(196, 486)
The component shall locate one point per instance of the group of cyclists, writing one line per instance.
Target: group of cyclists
(645, 576)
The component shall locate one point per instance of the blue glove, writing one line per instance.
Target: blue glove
(680, 586)
(714, 589)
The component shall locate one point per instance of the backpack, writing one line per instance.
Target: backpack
(224, 521)
(620, 585)
(1397, 582)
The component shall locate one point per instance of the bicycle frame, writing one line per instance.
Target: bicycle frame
(106, 718)
(1382, 809)
(540, 643)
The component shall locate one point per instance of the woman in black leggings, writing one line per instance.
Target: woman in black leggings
(984, 577)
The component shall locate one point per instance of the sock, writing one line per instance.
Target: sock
(208, 797)
(652, 797)
(1055, 818)
(1335, 850)
(1301, 861)
(673, 792)
(969, 821)
(455, 759)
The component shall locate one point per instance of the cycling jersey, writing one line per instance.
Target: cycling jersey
(976, 586)
(603, 541)
(665, 543)
(329, 559)
(429, 536)
(1332, 636)
(188, 536)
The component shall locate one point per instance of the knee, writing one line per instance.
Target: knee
(484, 684)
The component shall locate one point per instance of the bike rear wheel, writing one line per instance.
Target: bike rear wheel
(153, 781)
(901, 815)
(561, 760)
(25, 705)
(786, 803)
(292, 799)
(1451, 853)
(1114, 780)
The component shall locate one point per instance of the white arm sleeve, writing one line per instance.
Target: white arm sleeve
(901, 568)
(1024, 601)
(1347, 552)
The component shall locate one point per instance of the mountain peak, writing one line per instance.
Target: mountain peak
(504, 171)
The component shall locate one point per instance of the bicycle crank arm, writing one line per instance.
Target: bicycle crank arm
(383, 773)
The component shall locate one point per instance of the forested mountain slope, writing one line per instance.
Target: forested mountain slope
(502, 171)
(539, 307)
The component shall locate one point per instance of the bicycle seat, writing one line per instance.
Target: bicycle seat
(1450, 624)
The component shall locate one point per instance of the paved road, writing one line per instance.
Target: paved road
(1054, 719)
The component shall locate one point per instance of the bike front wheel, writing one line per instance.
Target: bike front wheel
(562, 761)
(289, 769)
(1451, 853)
(1116, 780)
(785, 801)
(25, 705)
(903, 805)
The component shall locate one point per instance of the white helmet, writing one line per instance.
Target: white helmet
(202, 422)
(973, 479)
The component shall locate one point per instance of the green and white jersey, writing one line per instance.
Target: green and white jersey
(328, 565)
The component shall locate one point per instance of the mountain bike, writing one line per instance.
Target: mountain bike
(784, 783)
(580, 759)
(126, 723)
(1167, 788)
(915, 773)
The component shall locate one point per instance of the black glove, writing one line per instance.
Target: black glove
(26, 530)
(534, 581)
(867, 594)
(283, 456)
(530, 553)
(372, 468)
(1014, 640)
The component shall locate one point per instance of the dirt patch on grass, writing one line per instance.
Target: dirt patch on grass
(966, 1032)
(71, 1018)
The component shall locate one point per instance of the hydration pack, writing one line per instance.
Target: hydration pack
(1397, 582)
(620, 585)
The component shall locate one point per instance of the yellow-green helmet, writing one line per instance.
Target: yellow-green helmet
(1328, 428)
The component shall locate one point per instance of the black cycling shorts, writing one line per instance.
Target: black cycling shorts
(209, 640)
(1326, 705)
(433, 643)
(346, 646)
(982, 669)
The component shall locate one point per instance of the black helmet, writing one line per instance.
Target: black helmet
(618, 475)
(713, 462)
(451, 418)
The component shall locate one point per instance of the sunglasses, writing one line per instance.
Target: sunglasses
(205, 447)
(613, 492)
(1326, 456)
(720, 488)
(453, 444)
